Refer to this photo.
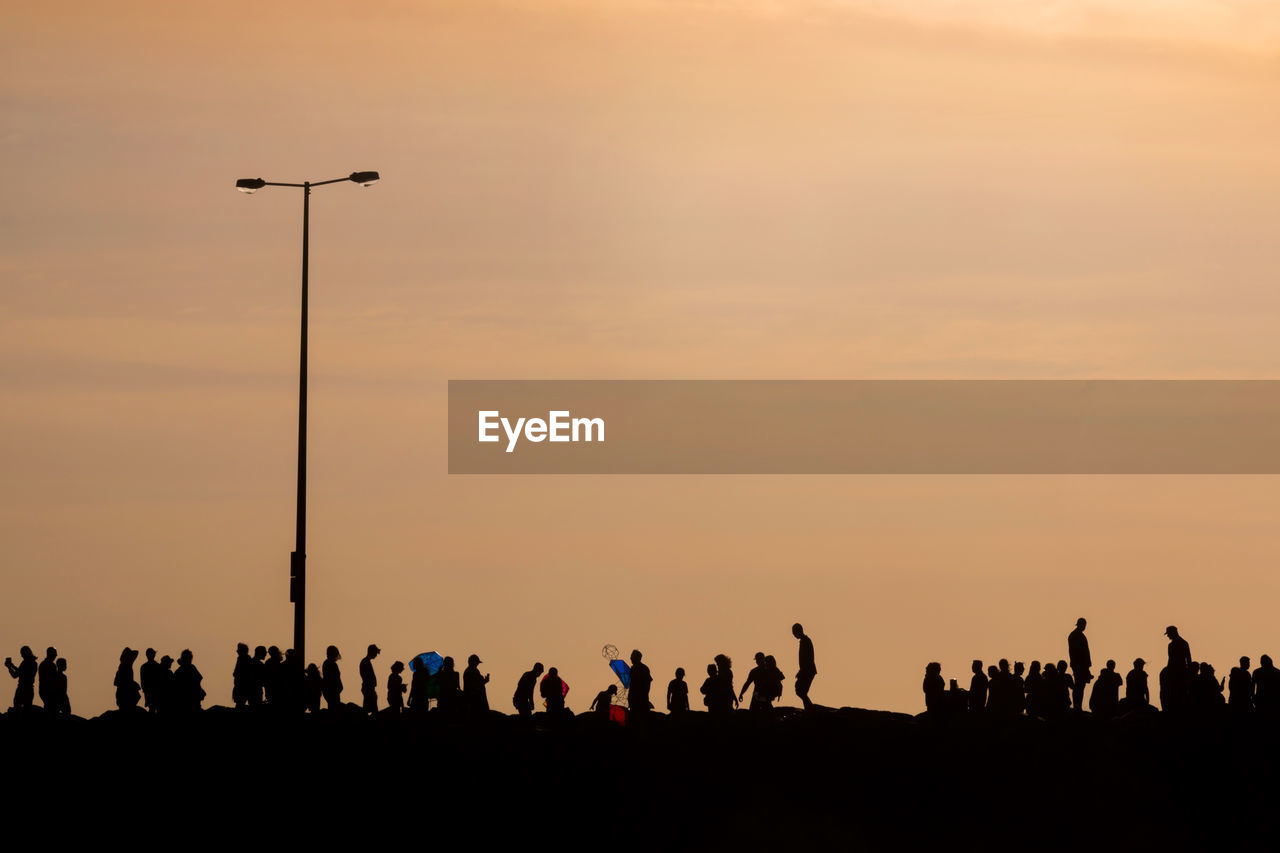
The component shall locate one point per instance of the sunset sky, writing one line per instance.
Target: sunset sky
(629, 189)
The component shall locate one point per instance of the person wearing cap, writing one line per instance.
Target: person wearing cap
(475, 698)
(369, 681)
(1137, 696)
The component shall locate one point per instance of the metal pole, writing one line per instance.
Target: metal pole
(298, 560)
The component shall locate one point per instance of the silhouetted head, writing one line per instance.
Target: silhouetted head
(473, 660)
(1138, 664)
(977, 667)
(551, 673)
(242, 648)
(1080, 623)
(313, 670)
(26, 654)
(51, 653)
(1035, 667)
(771, 661)
(151, 654)
(1171, 632)
(711, 670)
(62, 664)
(448, 664)
(260, 653)
(679, 673)
(398, 666)
(1265, 661)
(1206, 669)
(1017, 667)
(538, 668)
(1050, 669)
(185, 657)
(992, 672)
(166, 662)
(1062, 666)
(373, 650)
(128, 655)
(1111, 665)
(723, 663)
(1244, 663)
(635, 656)
(290, 655)
(797, 630)
(613, 690)
(1004, 664)
(274, 653)
(933, 668)
(759, 658)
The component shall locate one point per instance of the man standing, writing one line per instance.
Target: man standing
(641, 680)
(1078, 653)
(804, 678)
(48, 673)
(369, 681)
(475, 699)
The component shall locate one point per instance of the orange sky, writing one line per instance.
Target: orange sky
(622, 190)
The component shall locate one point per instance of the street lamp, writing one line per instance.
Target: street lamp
(298, 559)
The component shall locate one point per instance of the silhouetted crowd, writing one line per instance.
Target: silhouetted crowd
(1185, 686)
(271, 679)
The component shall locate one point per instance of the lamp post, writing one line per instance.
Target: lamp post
(298, 559)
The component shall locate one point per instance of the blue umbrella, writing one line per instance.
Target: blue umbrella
(430, 661)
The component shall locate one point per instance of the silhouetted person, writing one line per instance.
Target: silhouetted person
(774, 678)
(808, 669)
(935, 690)
(603, 702)
(293, 683)
(1037, 700)
(552, 690)
(449, 690)
(978, 688)
(369, 681)
(1206, 691)
(257, 676)
(1053, 685)
(241, 676)
(162, 688)
(419, 688)
(522, 699)
(1078, 653)
(395, 689)
(475, 698)
(47, 671)
(24, 694)
(128, 693)
(1137, 695)
(149, 679)
(332, 677)
(1105, 698)
(1240, 688)
(641, 682)
(1266, 687)
(188, 691)
(272, 678)
(725, 698)
(1067, 690)
(1176, 681)
(678, 693)
(757, 676)
(1017, 693)
(62, 701)
(708, 688)
(314, 687)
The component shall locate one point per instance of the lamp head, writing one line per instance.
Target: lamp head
(250, 185)
(365, 179)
